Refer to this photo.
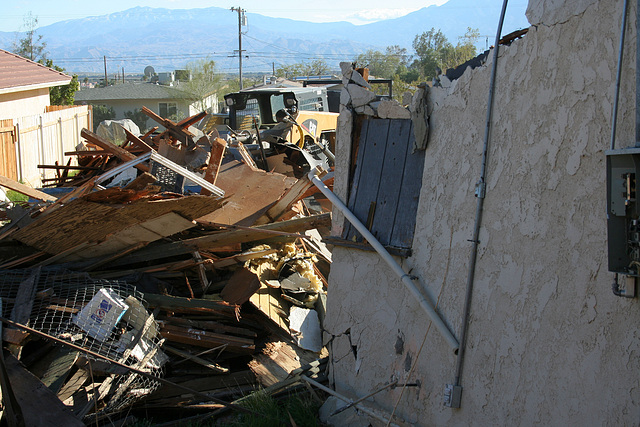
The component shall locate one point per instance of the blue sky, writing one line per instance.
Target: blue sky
(355, 11)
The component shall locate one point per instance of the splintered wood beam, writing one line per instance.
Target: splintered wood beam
(202, 338)
(218, 145)
(82, 168)
(137, 141)
(224, 238)
(88, 153)
(119, 152)
(171, 303)
(169, 124)
(149, 132)
(288, 199)
(246, 157)
(185, 123)
(25, 189)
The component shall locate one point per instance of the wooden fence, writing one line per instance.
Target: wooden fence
(8, 138)
(42, 139)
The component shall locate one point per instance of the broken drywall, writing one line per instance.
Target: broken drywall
(548, 342)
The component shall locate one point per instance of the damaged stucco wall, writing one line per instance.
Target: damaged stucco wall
(548, 341)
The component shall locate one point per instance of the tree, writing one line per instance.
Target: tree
(383, 64)
(62, 95)
(101, 113)
(204, 81)
(138, 117)
(31, 45)
(316, 67)
(436, 54)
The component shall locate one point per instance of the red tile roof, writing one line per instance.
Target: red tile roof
(18, 73)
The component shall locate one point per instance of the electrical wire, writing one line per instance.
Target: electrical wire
(424, 340)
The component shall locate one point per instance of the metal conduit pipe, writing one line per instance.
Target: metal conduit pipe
(406, 279)
(480, 193)
(614, 115)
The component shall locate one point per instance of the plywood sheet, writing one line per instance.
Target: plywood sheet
(249, 193)
(268, 301)
(84, 221)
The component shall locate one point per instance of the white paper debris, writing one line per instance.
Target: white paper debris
(101, 314)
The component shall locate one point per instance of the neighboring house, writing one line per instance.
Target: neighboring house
(165, 101)
(548, 343)
(24, 85)
(32, 132)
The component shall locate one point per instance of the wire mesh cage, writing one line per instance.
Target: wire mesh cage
(105, 316)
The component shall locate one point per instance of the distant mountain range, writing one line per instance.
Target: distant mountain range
(168, 39)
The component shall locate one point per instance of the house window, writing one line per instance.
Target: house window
(168, 110)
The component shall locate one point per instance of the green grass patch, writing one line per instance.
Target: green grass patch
(14, 196)
(277, 412)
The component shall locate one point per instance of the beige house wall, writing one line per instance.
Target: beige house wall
(23, 103)
(549, 343)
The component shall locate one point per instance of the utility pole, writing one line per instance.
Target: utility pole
(242, 20)
(106, 80)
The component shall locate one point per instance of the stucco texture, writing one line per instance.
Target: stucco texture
(548, 343)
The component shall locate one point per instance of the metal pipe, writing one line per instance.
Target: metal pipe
(614, 118)
(406, 279)
(345, 399)
(480, 193)
(637, 72)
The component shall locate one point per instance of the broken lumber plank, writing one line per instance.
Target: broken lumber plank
(40, 406)
(202, 338)
(246, 157)
(278, 360)
(211, 325)
(66, 168)
(88, 153)
(24, 299)
(58, 369)
(242, 284)
(149, 133)
(137, 141)
(218, 146)
(25, 189)
(289, 198)
(172, 128)
(270, 302)
(260, 232)
(195, 359)
(236, 259)
(76, 381)
(224, 238)
(141, 182)
(171, 303)
(119, 152)
(185, 123)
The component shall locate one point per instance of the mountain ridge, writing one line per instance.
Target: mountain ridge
(169, 38)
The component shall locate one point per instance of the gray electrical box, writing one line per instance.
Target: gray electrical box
(452, 395)
(623, 216)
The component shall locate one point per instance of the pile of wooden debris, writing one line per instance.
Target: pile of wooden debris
(163, 275)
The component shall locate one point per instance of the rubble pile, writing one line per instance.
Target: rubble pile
(164, 274)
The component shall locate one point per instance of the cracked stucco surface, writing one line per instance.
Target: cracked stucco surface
(549, 343)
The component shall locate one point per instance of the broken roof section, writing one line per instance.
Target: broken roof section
(18, 74)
